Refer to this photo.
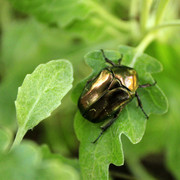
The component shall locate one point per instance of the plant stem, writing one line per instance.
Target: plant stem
(149, 37)
(113, 20)
(19, 136)
(152, 33)
(133, 9)
(165, 25)
(160, 11)
(145, 42)
(145, 10)
(142, 46)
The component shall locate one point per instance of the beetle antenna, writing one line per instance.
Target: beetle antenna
(106, 59)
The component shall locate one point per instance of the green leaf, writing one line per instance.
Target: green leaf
(29, 160)
(41, 93)
(61, 12)
(25, 45)
(48, 155)
(100, 30)
(81, 28)
(55, 166)
(21, 162)
(52, 169)
(95, 158)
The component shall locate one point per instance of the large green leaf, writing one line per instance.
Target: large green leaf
(61, 12)
(41, 93)
(95, 158)
(94, 29)
(85, 18)
(25, 45)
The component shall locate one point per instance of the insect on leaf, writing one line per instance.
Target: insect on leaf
(95, 158)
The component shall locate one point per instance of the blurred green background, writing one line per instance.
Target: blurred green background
(27, 40)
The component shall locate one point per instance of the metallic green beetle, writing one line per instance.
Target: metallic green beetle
(105, 95)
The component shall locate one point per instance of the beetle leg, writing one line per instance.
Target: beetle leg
(106, 59)
(147, 85)
(120, 59)
(140, 104)
(106, 126)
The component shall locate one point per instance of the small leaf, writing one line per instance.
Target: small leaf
(41, 93)
(95, 158)
(30, 44)
(61, 12)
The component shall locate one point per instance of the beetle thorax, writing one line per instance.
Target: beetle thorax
(127, 76)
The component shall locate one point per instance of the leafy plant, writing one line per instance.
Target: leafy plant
(33, 32)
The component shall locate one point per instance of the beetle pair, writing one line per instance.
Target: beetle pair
(106, 94)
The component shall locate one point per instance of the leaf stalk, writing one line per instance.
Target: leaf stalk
(19, 136)
(145, 12)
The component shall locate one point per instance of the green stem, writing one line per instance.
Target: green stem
(113, 20)
(145, 42)
(142, 46)
(165, 25)
(150, 36)
(145, 11)
(133, 9)
(19, 136)
(160, 11)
